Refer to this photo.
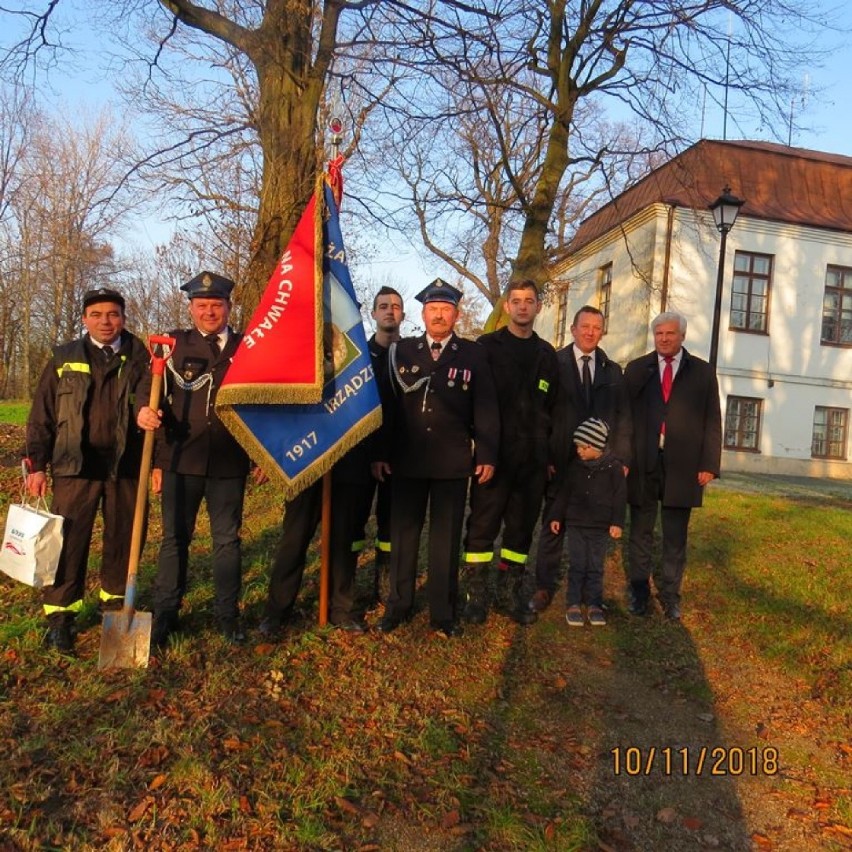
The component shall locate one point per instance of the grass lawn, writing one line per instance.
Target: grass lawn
(731, 731)
(14, 412)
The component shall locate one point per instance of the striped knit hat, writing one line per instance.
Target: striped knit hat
(593, 432)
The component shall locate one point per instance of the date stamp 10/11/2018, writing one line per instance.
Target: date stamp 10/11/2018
(696, 760)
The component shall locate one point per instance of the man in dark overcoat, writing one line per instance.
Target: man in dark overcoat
(677, 448)
(442, 426)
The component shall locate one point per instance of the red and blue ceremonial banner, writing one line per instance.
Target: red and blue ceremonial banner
(262, 400)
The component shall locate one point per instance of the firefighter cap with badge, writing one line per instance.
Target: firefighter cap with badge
(440, 291)
(208, 285)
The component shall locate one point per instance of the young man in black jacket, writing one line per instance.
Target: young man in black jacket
(525, 375)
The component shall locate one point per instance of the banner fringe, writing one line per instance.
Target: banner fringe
(264, 394)
(265, 461)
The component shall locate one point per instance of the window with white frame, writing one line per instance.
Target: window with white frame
(605, 294)
(742, 423)
(830, 433)
(561, 318)
(750, 292)
(837, 306)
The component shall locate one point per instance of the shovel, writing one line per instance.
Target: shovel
(126, 636)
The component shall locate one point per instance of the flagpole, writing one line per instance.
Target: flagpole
(325, 549)
(335, 125)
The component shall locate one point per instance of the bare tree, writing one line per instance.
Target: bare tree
(56, 235)
(536, 83)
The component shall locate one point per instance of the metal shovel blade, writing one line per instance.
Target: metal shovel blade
(125, 640)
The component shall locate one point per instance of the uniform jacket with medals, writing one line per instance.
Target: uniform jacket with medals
(192, 439)
(440, 417)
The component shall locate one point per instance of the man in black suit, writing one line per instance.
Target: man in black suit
(677, 449)
(442, 426)
(590, 385)
(196, 458)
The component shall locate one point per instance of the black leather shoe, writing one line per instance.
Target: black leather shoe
(475, 612)
(271, 627)
(60, 637)
(163, 625)
(450, 629)
(638, 607)
(673, 612)
(388, 624)
(540, 601)
(232, 631)
(523, 616)
(350, 625)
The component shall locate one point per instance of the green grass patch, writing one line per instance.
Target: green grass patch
(14, 412)
(499, 740)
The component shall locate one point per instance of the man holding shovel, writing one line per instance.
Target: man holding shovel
(196, 458)
(81, 428)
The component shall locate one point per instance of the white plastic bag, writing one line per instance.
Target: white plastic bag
(32, 543)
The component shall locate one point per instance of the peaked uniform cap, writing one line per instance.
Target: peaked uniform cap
(208, 285)
(102, 294)
(440, 291)
(593, 432)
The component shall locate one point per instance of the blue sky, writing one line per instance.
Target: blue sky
(826, 112)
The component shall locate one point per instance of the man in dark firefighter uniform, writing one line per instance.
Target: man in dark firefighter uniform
(443, 426)
(352, 490)
(81, 427)
(196, 458)
(388, 313)
(590, 385)
(525, 373)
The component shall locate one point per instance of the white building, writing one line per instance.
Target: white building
(785, 343)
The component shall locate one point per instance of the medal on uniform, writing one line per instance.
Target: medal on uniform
(415, 369)
(451, 373)
(465, 378)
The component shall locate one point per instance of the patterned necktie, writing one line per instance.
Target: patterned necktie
(587, 378)
(213, 341)
(436, 350)
(109, 352)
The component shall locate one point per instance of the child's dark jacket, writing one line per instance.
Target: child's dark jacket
(591, 494)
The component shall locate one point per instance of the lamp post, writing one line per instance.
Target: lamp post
(725, 209)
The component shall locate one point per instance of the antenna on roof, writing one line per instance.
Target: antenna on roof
(727, 77)
(803, 100)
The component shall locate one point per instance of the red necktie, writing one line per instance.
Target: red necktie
(668, 378)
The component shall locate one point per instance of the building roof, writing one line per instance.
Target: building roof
(778, 183)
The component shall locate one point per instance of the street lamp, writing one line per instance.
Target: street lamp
(725, 209)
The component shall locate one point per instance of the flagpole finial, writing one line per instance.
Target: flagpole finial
(335, 164)
(335, 126)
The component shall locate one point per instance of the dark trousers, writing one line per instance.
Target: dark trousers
(181, 497)
(548, 555)
(587, 548)
(675, 525)
(512, 498)
(78, 501)
(301, 517)
(446, 501)
(382, 493)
